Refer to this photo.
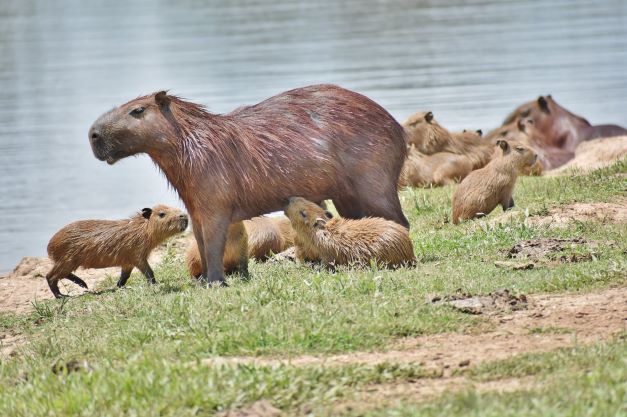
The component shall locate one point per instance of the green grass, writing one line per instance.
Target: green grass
(140, 341)
(583, 381)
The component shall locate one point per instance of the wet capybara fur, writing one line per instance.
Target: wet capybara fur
(266, 236)
(336, 241)
(320, 142)
(483, 189)
(105, 243)
(561, 128)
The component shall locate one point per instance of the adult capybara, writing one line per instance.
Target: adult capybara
(337, 241)
(482, 190)
(320, 142)
(561, 128)
(266, 236)
(106, 243)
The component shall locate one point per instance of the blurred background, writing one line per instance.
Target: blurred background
(63, 63)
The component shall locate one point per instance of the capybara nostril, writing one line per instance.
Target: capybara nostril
(94, 136)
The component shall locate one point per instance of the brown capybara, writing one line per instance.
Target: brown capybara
(425, 133)
(429, 137)
(266, 236)
(337, 241)
(560, 128)
(106, 243)
(438, 169)
(319, 141)
(482, 190)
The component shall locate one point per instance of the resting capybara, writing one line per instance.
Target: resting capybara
(561, 128)
(434, 170)
(266, 236)
(337, 241)
(429, 138)
(106, 243)
(482, 190)
(320, 142)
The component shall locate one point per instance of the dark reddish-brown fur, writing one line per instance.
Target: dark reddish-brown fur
(106, 243)
(319, 142)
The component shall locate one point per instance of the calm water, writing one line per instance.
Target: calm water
(63, 63)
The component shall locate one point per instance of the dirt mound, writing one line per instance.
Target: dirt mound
(594, 154)
(559, 217)
(497, 301)
(27, 283)
(548, 249)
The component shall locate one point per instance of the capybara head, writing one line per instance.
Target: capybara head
(517, 154)
(141, 125)
(165, 221)
(425, 133)
(305, 214)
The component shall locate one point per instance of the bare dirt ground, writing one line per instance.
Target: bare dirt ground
(27, 284)
(559, 217)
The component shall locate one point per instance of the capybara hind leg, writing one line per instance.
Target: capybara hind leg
(386, 205)
(124, 276)
(76, 280)
(348, 208)
(53, 283)
(214, 234)
(147, 271)
(242, 244)
(507, 203)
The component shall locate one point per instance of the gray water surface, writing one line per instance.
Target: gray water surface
(63, 63)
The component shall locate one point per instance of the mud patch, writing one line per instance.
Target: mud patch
(495, 302)
(549, 249)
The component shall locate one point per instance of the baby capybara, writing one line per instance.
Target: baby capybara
(483, 189)
(266, 236)
(336, 241)
(106, 243)
(320, 142)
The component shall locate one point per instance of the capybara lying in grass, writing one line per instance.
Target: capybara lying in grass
(560, 128)
(266, 236)
(106, 243)
(319, 142)
(482, 190)
(435, 170)
(335, 241)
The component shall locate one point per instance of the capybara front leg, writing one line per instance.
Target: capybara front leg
(76, 280)
(214, 234)
(124, 276)
(242, 244)
(147, 271)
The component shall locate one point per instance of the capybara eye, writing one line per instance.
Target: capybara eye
(162, 215)
(504, 133)
(520, 149)
(302, 213)
(137, 111)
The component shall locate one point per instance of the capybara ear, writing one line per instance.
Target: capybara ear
(521, 125)
(328, 214)
(480, 132)
(544, 105)
(429, 117)
(503, 145)
(320, 223)
(162, 99)
(146, 212)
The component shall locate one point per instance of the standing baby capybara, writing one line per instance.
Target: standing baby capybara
(106, 243)
(320, 142)
(266, 236)
(482, 190)
(335, 241)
